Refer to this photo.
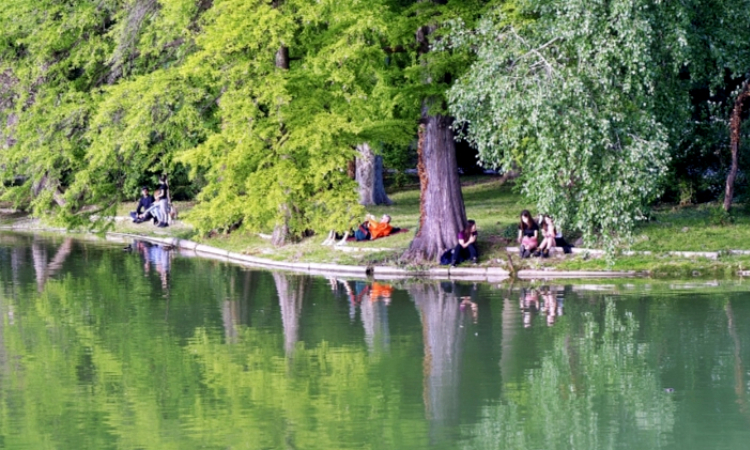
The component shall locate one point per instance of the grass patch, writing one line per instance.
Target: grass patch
(496, 207)
(693, 228)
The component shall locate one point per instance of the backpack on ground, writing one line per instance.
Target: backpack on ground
(446, 258)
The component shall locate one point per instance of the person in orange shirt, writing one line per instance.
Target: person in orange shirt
(379, 229)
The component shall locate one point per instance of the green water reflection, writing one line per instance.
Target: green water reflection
(144, 348)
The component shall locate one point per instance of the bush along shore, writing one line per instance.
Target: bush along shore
(678, 242)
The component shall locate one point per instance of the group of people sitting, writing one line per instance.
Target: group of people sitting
(528, 236)
(153, 207)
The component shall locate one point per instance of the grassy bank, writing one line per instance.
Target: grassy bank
(495, 207)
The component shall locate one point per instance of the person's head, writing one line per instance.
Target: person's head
(144, 191)
(547, 222)
(526, 220)
(385, 219)
(471, 227)
(158, 193)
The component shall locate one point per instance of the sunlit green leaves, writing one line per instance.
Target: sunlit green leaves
(569, 96)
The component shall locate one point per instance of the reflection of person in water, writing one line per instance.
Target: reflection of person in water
(553, 304)
(161, 259)
(468, 305)
(142, 248)
(550, 306)
(382, 292)
(529, 305)
(355, 294)
(156, 255)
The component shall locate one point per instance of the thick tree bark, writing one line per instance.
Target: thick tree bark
(280, 234)
(45, 183)
(441, 211)
(369, 168)
(441, 207)
(734, 136)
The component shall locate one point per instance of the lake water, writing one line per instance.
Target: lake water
(106, 348)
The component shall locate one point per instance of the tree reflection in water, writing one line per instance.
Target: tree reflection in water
(374, 314)
(593, 390)
(45, 269)
(443, 336)
(291, 290)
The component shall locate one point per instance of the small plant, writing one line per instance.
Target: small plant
(510, 232)
(718, 216)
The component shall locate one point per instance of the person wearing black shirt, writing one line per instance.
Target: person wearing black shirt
(163, 200)
(144, 203)
(528, 234)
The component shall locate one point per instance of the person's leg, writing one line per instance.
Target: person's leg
(133, 216)
(473, 253)
(164, 211)
(456, 258)
(155, 211)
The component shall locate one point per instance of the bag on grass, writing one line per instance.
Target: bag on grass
(446, 258)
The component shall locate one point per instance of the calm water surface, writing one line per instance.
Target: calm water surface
(105, 348)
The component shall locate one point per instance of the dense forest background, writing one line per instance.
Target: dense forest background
(257, 109)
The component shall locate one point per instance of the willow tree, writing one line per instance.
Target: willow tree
(598, 102)
(574, 97)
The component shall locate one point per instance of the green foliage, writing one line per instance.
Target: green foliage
(593, 100)
(570, 98)
(100, 99)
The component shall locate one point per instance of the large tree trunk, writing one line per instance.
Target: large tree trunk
(369, 168)
(441, 210)
(441, 204)
(45, 183)
(281, 230)
(734, 136)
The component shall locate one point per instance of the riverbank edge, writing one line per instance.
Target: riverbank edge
(486, 274)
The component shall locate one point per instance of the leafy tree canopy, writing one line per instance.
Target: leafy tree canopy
(593, 99)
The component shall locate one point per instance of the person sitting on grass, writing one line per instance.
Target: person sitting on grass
(548, 233)
(528, 232)
(371, 229)
(467, 245)
(144, 203)
(156, 210)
